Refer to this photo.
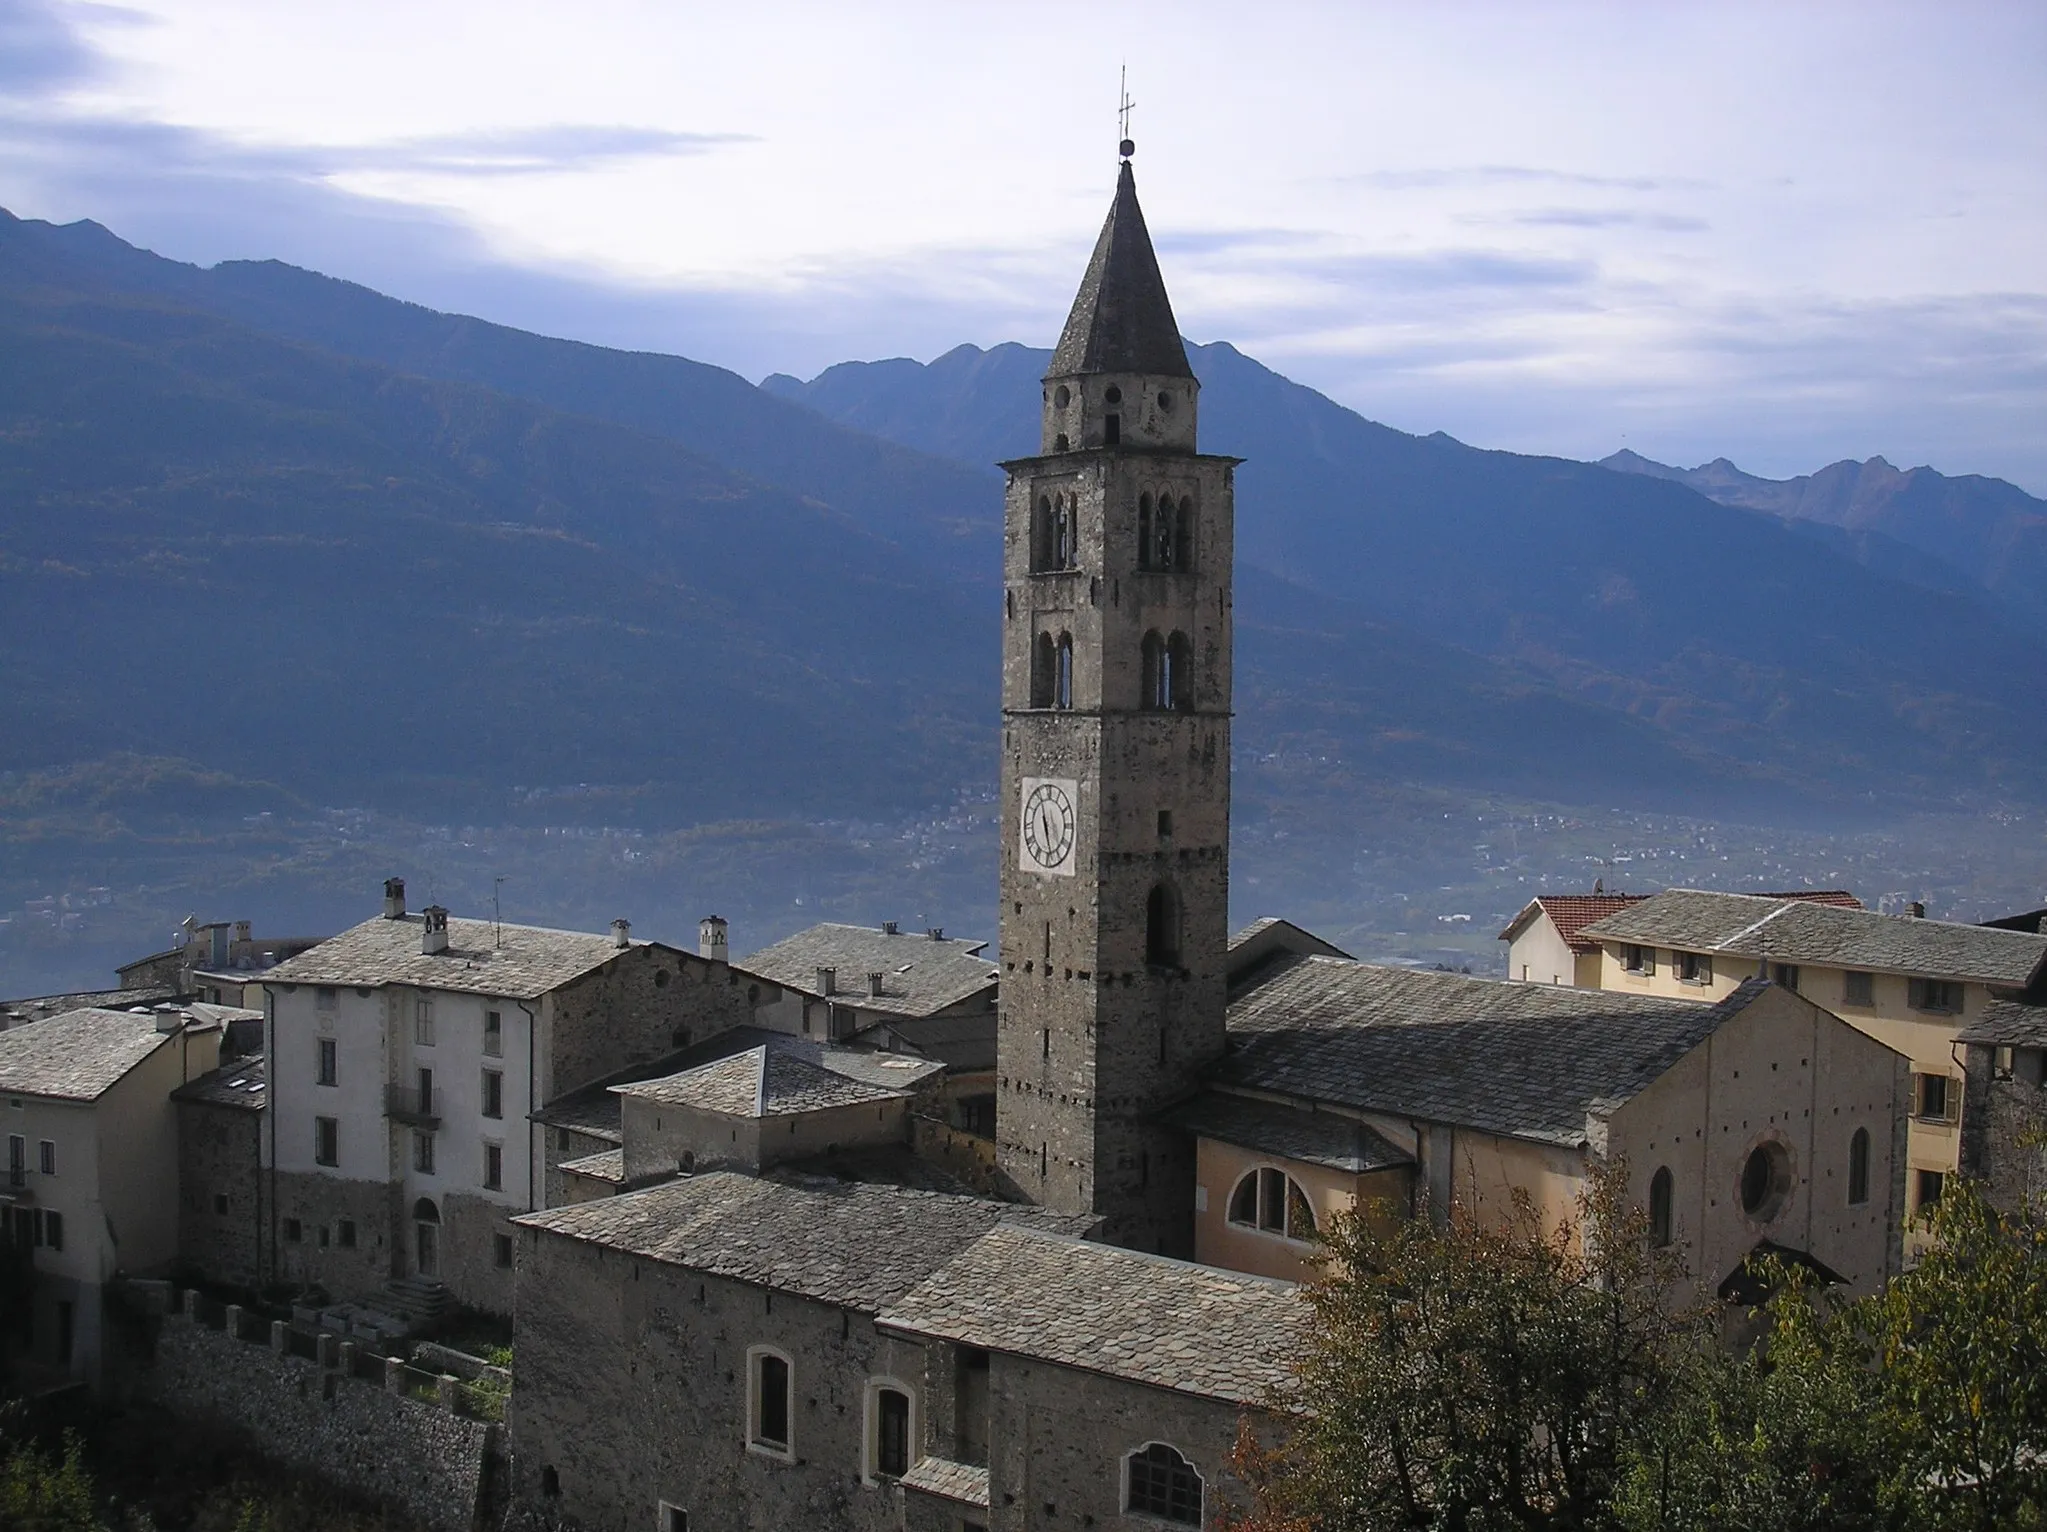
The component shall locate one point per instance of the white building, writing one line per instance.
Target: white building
(91, 1185)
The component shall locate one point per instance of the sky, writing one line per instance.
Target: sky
(1782, 233)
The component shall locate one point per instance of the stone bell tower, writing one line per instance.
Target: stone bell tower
(1115, 760)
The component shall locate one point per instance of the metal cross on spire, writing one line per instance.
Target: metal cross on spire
(1123, 109)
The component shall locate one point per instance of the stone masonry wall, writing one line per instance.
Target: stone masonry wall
(320, 1204)
(646, 1002)
(220, 1156)
(431, 1463)
(632, 1389)
(468, 1249)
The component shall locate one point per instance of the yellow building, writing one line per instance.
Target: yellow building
(1910, 983)
(1758, 1121)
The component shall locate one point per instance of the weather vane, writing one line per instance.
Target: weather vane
(1126, 148)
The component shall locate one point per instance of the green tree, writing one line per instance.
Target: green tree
(43, 1493)
(1487, 1375)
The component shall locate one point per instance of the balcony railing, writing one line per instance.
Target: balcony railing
(404, 1104)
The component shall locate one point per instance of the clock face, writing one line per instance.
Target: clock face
(1050, 825)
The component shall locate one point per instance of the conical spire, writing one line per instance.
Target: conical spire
(1122, 320)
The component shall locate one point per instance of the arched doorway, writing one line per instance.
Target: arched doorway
(426, 1238)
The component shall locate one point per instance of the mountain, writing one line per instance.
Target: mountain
(287, 529)
(1993, 532)
(1735, 633)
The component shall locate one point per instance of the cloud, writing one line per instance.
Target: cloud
(1511, 175)
(39, 50)
(1594, 218)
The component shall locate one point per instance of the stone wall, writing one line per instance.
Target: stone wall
(354, 1433)
(632, 1388)
(220, 1156)
(470, 1226)
(558, 1144)
(646, 1002)
(320, 1204)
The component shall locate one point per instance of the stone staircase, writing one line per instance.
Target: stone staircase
(420, 1301)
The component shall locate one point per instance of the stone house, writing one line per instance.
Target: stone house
(1759, 1120)
(1547, 944)
(91, 1184)
(1911, 983)
(923, 993)
(407, 1058)
(2004, 1104)
(221, 1227)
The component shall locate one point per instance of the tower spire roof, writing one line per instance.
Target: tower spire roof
(1122, 320)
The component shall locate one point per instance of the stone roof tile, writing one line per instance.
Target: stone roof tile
(78, 1056)
(919, 974)
(483, 958)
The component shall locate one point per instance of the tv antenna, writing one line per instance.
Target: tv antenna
(1123, 109)
(497, 914)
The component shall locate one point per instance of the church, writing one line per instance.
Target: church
(715, 1331)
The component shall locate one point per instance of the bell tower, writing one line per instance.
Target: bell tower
(1115, 760)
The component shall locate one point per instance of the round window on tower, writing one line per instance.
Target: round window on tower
(1113, 394)
(1060, 397)
(1166, 402)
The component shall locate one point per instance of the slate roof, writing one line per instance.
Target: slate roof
(1571, 913)
(609, 1165)
(918, 975)
(483, 958)
(949, 1480)
(761, 1082)
(16, 1013)
(1315, 1138)
(1171, 1324)
(1268, 942)
(1527, 1061)
(2009, 1024)
(78, 1056)
(1799, 931)
(1122, 320)
(240, 1083)
(858, 1245)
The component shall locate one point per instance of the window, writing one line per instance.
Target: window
(1144, 531)
(1178, 688)
(888, 1431)
(1112, 430)
(344, 1233)
(426, 1093)
(1161, 1483)
(329, 1070)
(423, 1152)
(1858, 988)
(53, 1229)
(493, 1167)
(1786, 975)
(493, 1093)
(294, 1231)
(1162, 927)
(1660, 1221)
(1928, 1187)
(423, 1023)
(324, 997)
(323, 1236)
(1165, 547)
(1933, 1098)
(326, 1141)
(1858, 1168)
(1062, 673)
(673, 1519)
(1640, 960)
(17, 1160)
(493, 1035)
(46, 1157)
(1693, 967)
(220, 1203)
(426, 1237)
(1044, 671)
(501, 1250)
(1165, 824)
(1152, 672)
(768, 1402)
(1273, 1201)
(1943, 995)
(1766, 1181)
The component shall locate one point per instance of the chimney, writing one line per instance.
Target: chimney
(827, 980)
(888, 928)
(169, 1020)
(874, 985)
(394, 898)
(433, 936)
(621, 933)
(1917, 910)
(711, 942)
(936, 933)
(243, 931)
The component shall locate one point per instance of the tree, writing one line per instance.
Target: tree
(1483, 1375)
(41, 1493)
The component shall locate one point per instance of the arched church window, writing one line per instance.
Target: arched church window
(1183, 533)
(1160, 1482)
(1062, 680)
(1044, 670)
(1178, 690)
(1660, 1217)
(1162, 927)
(1163, 547)
(1270, 1200)
(1155, 674)
(1041, 535)
(1144, 531)
(1858, 1167)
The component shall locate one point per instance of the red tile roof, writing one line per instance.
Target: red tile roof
(1571, 913)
